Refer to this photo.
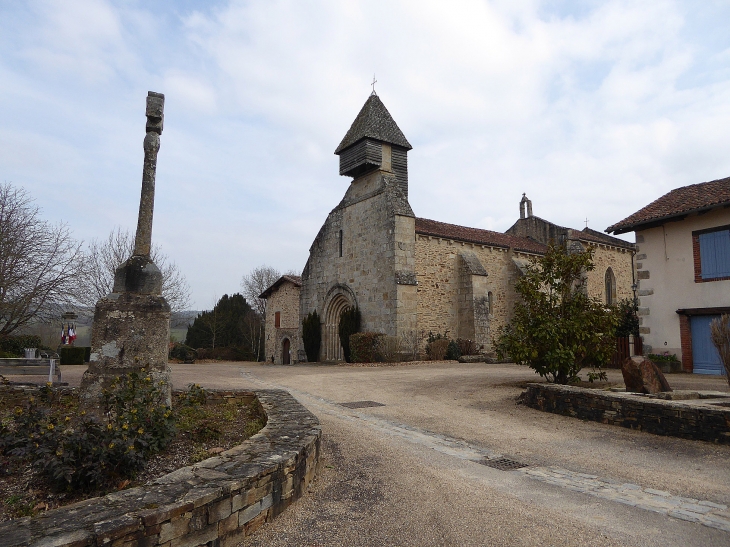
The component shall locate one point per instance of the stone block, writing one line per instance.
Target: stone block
(219, 511)
(175, 528)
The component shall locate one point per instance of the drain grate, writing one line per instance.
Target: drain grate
(503, 464)
(361, 404)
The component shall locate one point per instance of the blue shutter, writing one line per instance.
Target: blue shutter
(715, 254)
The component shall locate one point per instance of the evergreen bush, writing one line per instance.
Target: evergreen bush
(15, 345)
(452, 351)
(312, 336)
(349, 325)
(183, 353)
(72, 355)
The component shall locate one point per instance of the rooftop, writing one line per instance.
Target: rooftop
(295, 279)
(676, 205)
(374, 122)
(425, 226)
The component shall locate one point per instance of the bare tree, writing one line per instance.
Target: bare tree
(40, 263)
(103, 257)
(255, 283)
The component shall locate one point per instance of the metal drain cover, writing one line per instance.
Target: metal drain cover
(503, 464)
(361, 404)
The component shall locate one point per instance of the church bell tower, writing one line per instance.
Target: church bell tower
(374, 141)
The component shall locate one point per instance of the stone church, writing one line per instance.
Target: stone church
(408, 275)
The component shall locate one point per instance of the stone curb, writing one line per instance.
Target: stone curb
(697, 419)
(215, 502)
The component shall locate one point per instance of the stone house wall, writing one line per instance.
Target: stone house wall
(665, 270)
(285, 300)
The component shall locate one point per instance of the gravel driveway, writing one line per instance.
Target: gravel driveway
(405, 473)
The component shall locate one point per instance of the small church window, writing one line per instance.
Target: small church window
(610, 287)
(490, 302)
(340, 243)
(277, 319)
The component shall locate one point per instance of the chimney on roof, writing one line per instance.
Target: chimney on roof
(525, 204)
(374, 141)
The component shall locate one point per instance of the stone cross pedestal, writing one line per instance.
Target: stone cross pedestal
(132, 324)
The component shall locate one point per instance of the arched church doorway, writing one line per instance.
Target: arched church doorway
(340, 299)
(286, 352)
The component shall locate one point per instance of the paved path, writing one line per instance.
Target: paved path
(411, 472)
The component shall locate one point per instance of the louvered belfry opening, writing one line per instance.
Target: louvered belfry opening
(374, 141)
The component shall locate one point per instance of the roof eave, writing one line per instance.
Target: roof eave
(653, 223)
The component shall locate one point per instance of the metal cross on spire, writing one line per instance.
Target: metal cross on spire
(373, 84)
(586, 221)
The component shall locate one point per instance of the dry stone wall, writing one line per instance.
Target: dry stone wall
(213, 503)
(695, 418)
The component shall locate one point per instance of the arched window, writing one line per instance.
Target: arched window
(490, 302)
(610, 282)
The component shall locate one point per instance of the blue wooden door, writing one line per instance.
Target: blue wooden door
(704, 353)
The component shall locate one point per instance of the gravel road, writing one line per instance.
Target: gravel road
(404, 473)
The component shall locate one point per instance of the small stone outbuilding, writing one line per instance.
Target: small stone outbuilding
(282, 320)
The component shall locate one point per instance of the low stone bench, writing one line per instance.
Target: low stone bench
(21, 366)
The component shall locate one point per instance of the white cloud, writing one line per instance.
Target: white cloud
(592, 109)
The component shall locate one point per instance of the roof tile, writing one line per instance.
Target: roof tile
(680, 201)
(425, 226)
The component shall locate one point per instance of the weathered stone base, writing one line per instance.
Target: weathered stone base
(131, 332)
(706, 417)
(215, 502)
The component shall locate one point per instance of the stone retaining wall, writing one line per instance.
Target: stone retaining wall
(696, 418)
(214, 503)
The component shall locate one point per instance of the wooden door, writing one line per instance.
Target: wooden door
(285, 353)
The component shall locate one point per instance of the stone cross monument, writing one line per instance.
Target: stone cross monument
(132, 324)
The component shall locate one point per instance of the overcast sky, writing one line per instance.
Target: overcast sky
(593, 109)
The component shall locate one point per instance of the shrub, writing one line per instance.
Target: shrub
(312, 336)
(364, 347)
(14, 345)
(452, 351)
(670, 358)
(436, 350)
(349, 325)
(556, 328)
(720, 333)
(72, 355)
(79, 451)
(467, 347)
(628, 322)
(183, 353)
(389, 349)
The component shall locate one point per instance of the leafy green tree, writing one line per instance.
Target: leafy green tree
(349, 324)
(312, 335)
(556, 328)
(226, 325)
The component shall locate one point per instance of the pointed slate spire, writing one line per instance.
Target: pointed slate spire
(373, 142)
(374, 122)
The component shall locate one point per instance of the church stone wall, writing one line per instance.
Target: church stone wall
(619, 260)
(377, 249)
(437, 270)
(285, 300)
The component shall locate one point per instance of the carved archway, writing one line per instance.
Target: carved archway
(339, 298)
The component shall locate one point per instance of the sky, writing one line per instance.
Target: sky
(593, 109)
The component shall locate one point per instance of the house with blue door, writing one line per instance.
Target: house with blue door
(682, 268)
